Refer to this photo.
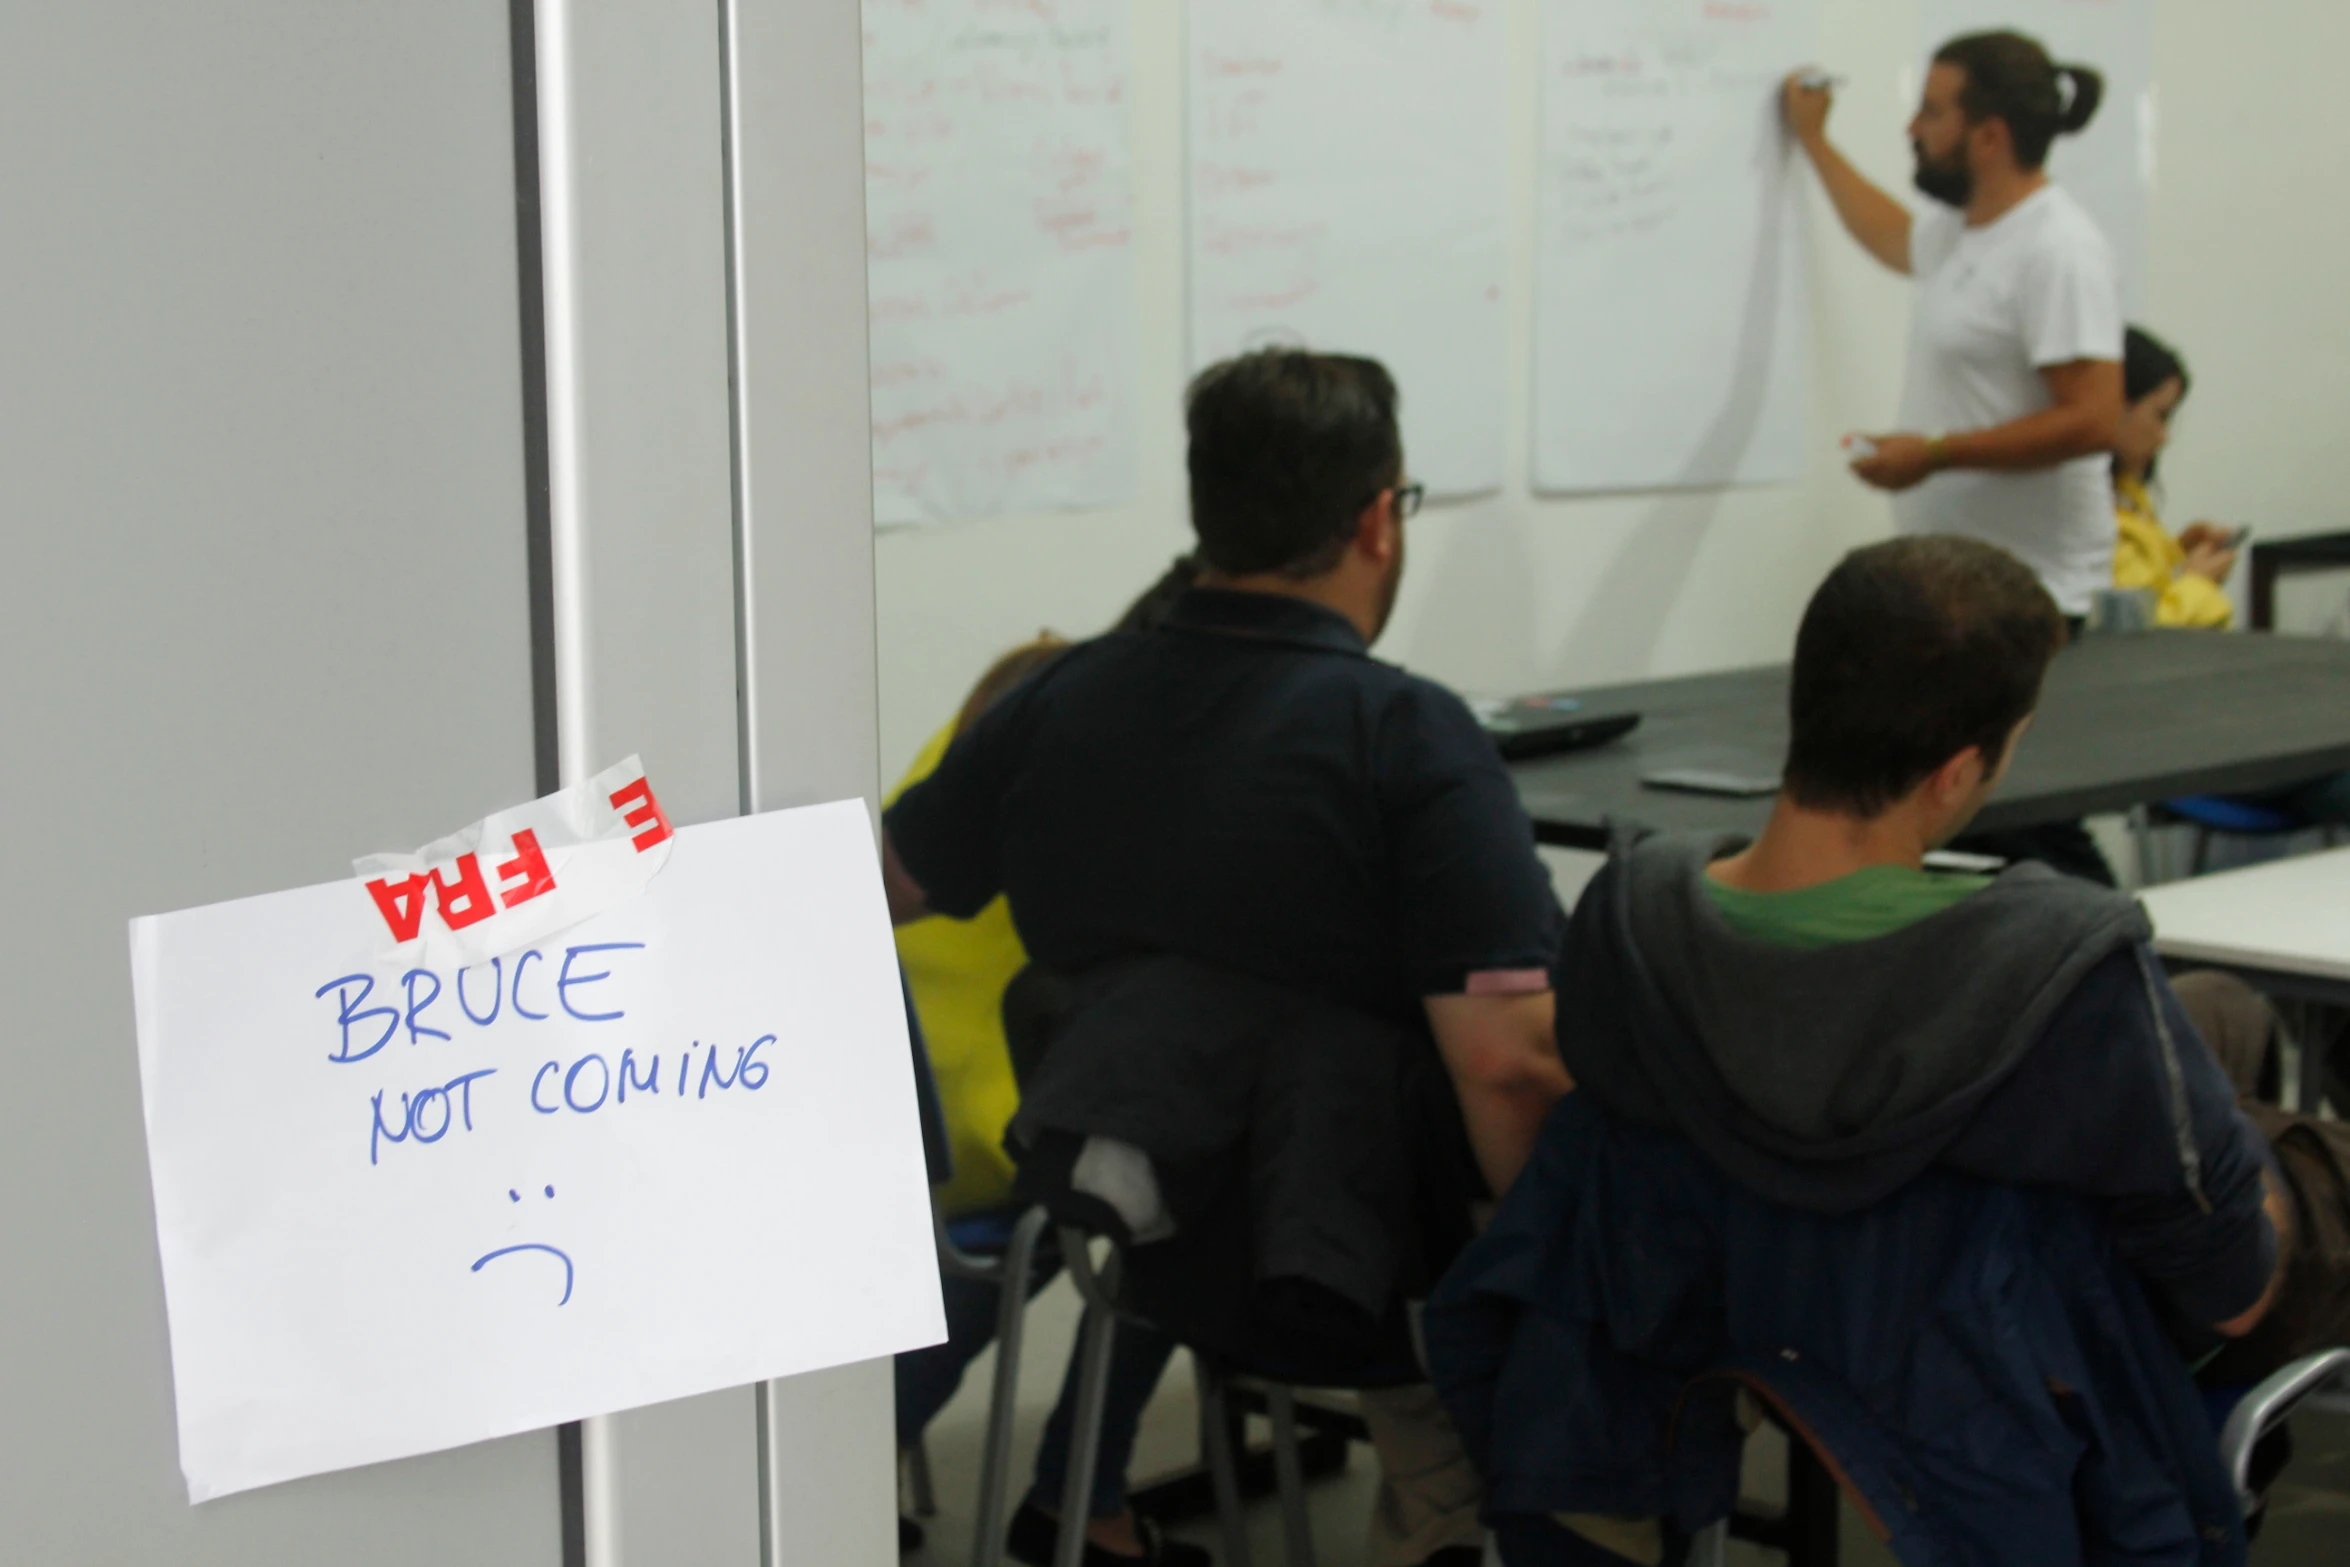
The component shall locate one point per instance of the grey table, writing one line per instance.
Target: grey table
(2125, 720)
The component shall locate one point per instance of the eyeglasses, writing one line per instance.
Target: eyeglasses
(1408, 498)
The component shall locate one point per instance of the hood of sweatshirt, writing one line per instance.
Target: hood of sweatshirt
(1823, 1078)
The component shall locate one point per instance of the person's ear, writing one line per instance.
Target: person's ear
(1377, 531)
(1958, 778)
(1990, 142)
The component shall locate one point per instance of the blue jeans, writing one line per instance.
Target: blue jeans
(927, 1378)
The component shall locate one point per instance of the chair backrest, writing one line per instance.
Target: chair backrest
(1973, 1362)
(2265, 1407)
(938, 1153)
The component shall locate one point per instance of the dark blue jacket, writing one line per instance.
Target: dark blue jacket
(1975, 1361)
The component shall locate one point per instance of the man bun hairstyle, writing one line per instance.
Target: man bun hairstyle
(1912, 651)
(2010, 77)
(1287, 448)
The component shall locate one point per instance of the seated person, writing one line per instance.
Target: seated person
(2312, 1311)
(1244, 787)
(958, 971)
(2188, 574)
(1822, 1025)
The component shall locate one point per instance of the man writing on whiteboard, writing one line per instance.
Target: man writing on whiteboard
(2014, 388)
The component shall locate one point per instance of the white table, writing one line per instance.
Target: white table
(2284, 926)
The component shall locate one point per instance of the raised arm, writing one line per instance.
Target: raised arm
(1880, 223)
(1503, 1059)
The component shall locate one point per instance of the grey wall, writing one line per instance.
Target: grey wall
(657, 610)
(812, 728)
(263, 604)
(261, 607)
(658, 530)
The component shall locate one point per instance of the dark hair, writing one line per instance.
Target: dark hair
(1149, 612)
(2147, 362)
(1912, 651)
(1287, 448)
(2010, 77)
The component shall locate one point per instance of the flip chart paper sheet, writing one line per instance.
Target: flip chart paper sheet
(1671, 313)
(999, 233)
(1349, 192)
(671, 1150)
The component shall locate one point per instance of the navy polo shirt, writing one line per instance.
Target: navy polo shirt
(1247, 786)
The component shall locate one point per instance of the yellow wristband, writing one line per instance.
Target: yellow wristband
(1936, 452)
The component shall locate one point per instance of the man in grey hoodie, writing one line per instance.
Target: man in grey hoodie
(1825, 1018)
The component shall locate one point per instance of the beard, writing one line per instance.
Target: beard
(1947, 180)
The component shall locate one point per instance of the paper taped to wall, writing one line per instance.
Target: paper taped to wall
(1671, 313)
(522, 874)
(1349, 169)
(403, 1206)
(999, 224)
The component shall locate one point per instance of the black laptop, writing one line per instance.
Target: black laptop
(1550, 721)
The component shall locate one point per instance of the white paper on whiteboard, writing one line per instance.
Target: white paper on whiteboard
(401, 1210)
(999, 223)
(1671, 310)
(2109, 166)
(1348, 193)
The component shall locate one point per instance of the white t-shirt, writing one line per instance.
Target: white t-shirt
(2037, 286)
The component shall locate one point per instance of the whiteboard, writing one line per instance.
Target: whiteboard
(2109, 167)
(402, 1207)
(1671, 311)
(999, 231)
(1348, 192)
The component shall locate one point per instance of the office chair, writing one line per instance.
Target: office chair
(998, 1248)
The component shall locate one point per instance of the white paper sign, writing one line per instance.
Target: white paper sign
(1671, 314)
(520, 875)
(1349, 192)
(403, 1208)
(999, 214)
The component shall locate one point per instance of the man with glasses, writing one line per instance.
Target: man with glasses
(1246, 788)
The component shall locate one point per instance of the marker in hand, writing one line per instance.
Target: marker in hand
(1858, 447)
(1816, 80)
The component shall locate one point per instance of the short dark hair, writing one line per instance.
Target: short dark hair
(2010, 77)
(2147, 362)
(1287, 448)
(1912, 651)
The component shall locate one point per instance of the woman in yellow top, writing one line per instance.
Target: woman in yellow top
(957, 971)
(2188, 573)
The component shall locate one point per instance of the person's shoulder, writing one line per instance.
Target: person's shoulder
(2063, 226)
(925, 762)
(1074, 665)
(1430, 704)
(1421, 729)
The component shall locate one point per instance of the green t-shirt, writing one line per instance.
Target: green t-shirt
(1875, 900)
